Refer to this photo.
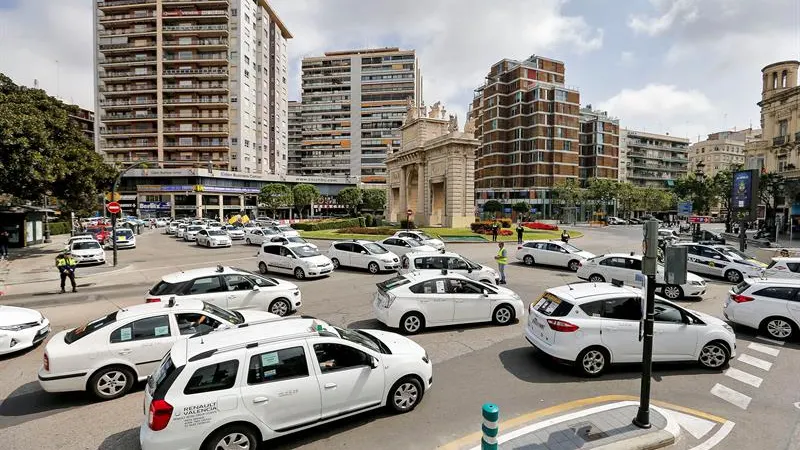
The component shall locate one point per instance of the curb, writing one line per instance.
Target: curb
(649, 441)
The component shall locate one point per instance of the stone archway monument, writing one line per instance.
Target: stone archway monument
(433, 172)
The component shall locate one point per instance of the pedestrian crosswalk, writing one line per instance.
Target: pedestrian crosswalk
(749, 374)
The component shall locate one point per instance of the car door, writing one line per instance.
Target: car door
(696, 261)
(143, 342)
(458, 265)
(715, 261)
(539, 252)
(436, 302)
(343, 252)
(471, 304)
(557, 255)
(202, 237)
(794, 307)
(257, 237)
(209, 289)
(613, 268)
(350, 378)
(282, 389)
(620, 328)
(674, 339)
(242, 293)
(287, 260)
(359, 257)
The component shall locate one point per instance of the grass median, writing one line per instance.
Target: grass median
(444, 232)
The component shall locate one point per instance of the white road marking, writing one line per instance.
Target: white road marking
(764, 349)
(731, 396)
(756, 362)
(771, 341)
(696, 426)
(744, 377)
(721, 434)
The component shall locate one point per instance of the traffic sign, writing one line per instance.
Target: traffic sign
(685, 208)
(113, 208)
(117, 197)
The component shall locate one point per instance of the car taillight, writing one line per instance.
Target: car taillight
(741, 298)
(152, 300)
(519, 247)
(46, 363)
(562, 326)
(160, 413)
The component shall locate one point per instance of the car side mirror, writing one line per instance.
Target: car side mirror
(256, 287)
(363, 252)
(373, 362)
(485, 292)
(469, 270)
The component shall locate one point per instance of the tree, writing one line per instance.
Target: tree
(304, 195)
(521, 208)
(569, 193)
(627, 195)
(375, 199)
(351, 197)
(492, 207)
(602, 190)
(770, 187)
(722, 184)
(701, 192)
(275, 196)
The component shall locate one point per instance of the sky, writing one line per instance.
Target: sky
(684, 67)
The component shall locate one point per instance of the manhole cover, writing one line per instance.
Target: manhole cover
(588, 431)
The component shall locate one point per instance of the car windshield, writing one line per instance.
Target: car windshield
(231, 316)
(296, 239)
(164, 370)
(195, 228)
(305, 251)
(472, 264)
(375, 249)
(285, 228)
(125, 233)
(89, 328)
(424, 235)
(359, 338)
(85, 245)
(570, 248)
(730, 251)
(413, 243)
(217, 233)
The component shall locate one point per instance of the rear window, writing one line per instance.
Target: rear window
(162, 378)
(216, 377)
(741, 287)
(552, 306)
(164, 288)
(392, 283)
(90, 328)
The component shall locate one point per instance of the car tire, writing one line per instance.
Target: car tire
(596, 278)
(111, 382)
(335, 263)
(503, 315)
(299, 274)
(405, 395)
(777, 327)
(373, 268)
(247, 241)
(232, 436)
(412, 323)
(672, 292)
(262, 267)
(528, 260)
(574, 265)
(714, 356)
(280, 307)
(592, 362)
(734, 276)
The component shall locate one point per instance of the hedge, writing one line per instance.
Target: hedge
(330, 224)
(480, 227)
(368, 230)
(60, 228)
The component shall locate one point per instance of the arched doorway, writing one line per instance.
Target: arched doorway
(411, 189)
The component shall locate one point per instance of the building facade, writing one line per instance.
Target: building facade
(599, 144)
(295, 136)
(353, 107)
(655, 160)
(720, 151)
(528, 124)
(189, 83)
(85, 121)
(622, 163)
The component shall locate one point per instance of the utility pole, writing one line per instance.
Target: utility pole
(649, 263)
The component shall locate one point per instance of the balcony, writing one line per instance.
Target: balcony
(126, 31)
(149, 73)
(202, 43)
(105, 104)
(219, 117)
(221, 143)
(195, 29)
(125, 145)
(196, 130)
(127, 46)
(197, 101)
(117, 89)
(127, 60)
(111, 4)
(128, 117)
(128, 17)
(198, 57)
(780, 140)
(205, 13)
(196, 87)
(195, 2)
(206, 72)
(122, 132)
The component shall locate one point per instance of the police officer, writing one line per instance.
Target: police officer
(66, 267)
(502, 260)
(495, 229)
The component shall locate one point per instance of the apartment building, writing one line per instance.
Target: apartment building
(353, 105)
(720, 151)
(655, 160)
(84, 119)
(528, 122)
(196, 83)
(599, 144)
(295, 136)
(622, 163)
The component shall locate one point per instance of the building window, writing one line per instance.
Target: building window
(783, 79)
(774, 80)
(561, 96)
(234, 12)
(568, 146)
(247, 143)
(783, 127)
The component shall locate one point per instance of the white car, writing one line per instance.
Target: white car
(87, 252)
(107, 356)
(552, 253)
(285, 230)
(421, 237)
(180, 231)
(291, 239)
(229, 288)
(593, 325)
(453, 262)
(301, 260)
(237, 388)
(125, 239)
(612, 220)
(402, 245)
(191, 232)
(258, 236)
(363, 255)
(161, 222)
(414, 301)
(769, 305)
(21, 328)
(82, 237)
(213, 237)
(788, 267)
(625, 267)
(236, 233)
(215, 225)
(172, 228)
(708, 260)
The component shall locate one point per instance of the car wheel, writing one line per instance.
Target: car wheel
(714, 355)
(412, 323)
(503, 315)
(734, 276)
(373, 267)
(778, 328)
(280, 307)
(592, 362)
(597, 278)
(208, 244)
(528, 260)
(247, 241)
(672, 292)
(335, 263)
(299, 274)
(239, 437)
(111, 382)
(405, 395)
(262, 267)
(574, 265)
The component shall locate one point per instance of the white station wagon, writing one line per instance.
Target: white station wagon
(301, 260)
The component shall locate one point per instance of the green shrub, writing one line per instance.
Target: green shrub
(60, 228)
(369, 221)
(329, 224)
(370, 230)
(407, 224)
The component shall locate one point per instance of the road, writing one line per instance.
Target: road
(472, 364)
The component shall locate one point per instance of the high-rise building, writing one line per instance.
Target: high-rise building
(192, 83)
(85, 120)
(528, 122)
(623, 156)
(295, 136)
(599, 141)
(655, 160)
(720, 151)
(354, 103)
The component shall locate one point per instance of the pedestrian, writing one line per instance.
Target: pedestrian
(3, 244)
(66, 267)
(565, 236)
(520, 231)
(502, 260)
(495, 229)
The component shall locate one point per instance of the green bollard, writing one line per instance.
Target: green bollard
(491, 414)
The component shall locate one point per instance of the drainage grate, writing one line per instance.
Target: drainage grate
(588, 431)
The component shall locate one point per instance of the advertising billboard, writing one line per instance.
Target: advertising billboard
(744, 195)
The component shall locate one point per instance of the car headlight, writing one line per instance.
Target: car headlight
(728, 327)
(12, 328)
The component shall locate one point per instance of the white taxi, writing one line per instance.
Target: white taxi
(236, 388)
(107, 356)
(87, 252)
(453, 262)
(213, 237)
(191, 232)
(414, 301)
(721, 261)
(21, 328)
(552, 253)
(258, 236)
(285, 230)
(301, 260)
(363, 255)
(421, 237)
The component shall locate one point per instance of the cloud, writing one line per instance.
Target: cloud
(627, 57)
(670, 12)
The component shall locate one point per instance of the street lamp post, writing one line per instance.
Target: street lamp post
(47, 239)
(114, 216)
(700, 175)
